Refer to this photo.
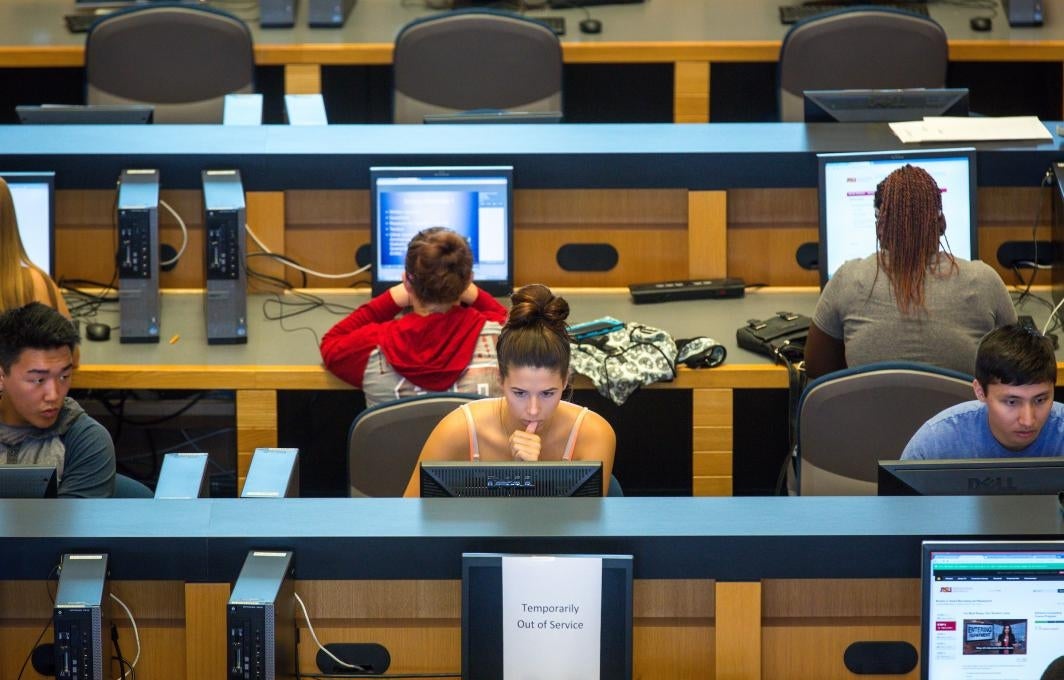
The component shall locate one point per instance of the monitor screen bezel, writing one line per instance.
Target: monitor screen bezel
(899, 486)
(592, 467)
(818, 104)
(929, 548)
(85, 114)
(38, 177)
(494, 287)
(613, 609)
(39, 477)
(494, 117)
(912, 156)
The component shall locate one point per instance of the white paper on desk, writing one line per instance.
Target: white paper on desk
(956, 129)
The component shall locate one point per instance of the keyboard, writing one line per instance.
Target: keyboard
(790, 14)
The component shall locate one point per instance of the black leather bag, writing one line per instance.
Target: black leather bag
(781, 337)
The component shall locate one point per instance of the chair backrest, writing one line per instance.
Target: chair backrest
(850, 419)
(477, 59)
(127, 487)
(181, 59)
(859, 48)
(384, 441)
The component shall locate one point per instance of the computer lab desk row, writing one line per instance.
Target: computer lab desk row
(691, 36)
(277, 359)
(742, 588)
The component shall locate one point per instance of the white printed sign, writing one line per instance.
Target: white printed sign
(551, 617)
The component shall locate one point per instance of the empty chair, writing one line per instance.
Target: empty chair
(479, 59)
(848, 420)
(385, 441)
(181, 59)
(859, 48)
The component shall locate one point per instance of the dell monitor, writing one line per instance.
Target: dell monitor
(1057, 274)
(88, 114)
(971, 476)
(34, 197)
(847, 190)
(27, 481)
(883, 106)
(991, 609)
(456, 479)
(475, 202)
(488, 601)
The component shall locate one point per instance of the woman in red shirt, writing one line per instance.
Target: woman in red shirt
(446, 342)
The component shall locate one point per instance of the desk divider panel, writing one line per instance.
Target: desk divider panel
(256, 427)
(690, 103)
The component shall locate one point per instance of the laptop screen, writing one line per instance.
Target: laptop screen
(475, 202)
(847, 191)
(992, 609)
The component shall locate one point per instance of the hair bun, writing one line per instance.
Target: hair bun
(536, 304)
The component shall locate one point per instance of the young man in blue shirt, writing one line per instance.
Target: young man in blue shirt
(1014, 414)
(39, 424)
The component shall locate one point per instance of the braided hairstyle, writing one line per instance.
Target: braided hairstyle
(535, 334)
(909, 226)
(439, 265)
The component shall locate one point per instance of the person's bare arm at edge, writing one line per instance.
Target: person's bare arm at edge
(448, 441)
(597, 441)
(823, 353)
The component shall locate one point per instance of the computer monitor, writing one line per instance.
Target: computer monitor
(847, 190)
(507, 117)
(1057, 233)
(88, 114)
(482, 617)
(475, 202)
(27, 481)
(971, 476)
(34, 197)
(975, 593)
(510, 479)
(883, 106)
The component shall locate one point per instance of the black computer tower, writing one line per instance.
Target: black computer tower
(226, 298)
(82, 635)
(260, 619)
(138, 256)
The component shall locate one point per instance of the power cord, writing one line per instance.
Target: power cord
(136, 636)
(288, 262)
(184, 235)
(47, 624)
(310, 627)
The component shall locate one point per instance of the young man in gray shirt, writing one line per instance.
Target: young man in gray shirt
(39, 424)
(1014, 413)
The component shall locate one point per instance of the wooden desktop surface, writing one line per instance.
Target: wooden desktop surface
(690, 35)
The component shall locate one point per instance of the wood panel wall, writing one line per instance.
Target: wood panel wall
(658, 234)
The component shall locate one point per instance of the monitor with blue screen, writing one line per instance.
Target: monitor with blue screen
(475, 202)
(34, 197)
(991, 609)
(847, 188)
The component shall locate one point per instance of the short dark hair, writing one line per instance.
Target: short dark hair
(33, 326)
(1015, 355)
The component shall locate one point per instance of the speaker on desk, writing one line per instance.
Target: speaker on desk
(1024, 12)
(329, 13)
(226, 297)
(138, 256)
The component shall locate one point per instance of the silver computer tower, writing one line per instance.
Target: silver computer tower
(260, 620)
(82, 642)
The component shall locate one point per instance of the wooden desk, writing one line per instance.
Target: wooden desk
(736, 588)
(691, 36)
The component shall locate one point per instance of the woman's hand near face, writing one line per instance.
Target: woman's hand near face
(525, 444)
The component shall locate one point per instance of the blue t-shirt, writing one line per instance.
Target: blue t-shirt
(963, 431)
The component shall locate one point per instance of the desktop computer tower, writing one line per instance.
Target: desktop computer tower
(273, 473)
(277, 13)
(138, 255)
(82, 635)
(260, 619)
(226, 298)
(328, 13)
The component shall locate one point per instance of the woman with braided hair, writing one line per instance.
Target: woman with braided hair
(912, 300)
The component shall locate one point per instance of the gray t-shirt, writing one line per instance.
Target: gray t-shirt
(858, 307)
(963, 431)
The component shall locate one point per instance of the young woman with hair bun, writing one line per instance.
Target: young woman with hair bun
(446, 342)
(530, 421)
(912, 300)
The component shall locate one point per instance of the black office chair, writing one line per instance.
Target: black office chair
(181, 59)
(859, 48)
(384, 441)
(850, 419)
(473, 60)
(127, 487)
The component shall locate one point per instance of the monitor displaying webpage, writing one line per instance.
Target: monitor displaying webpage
(32, 196)
(476, 206)
(847, 192)
(994, 612)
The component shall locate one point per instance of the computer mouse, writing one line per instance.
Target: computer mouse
(981, 24)
(97, 331)
(590, 25)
